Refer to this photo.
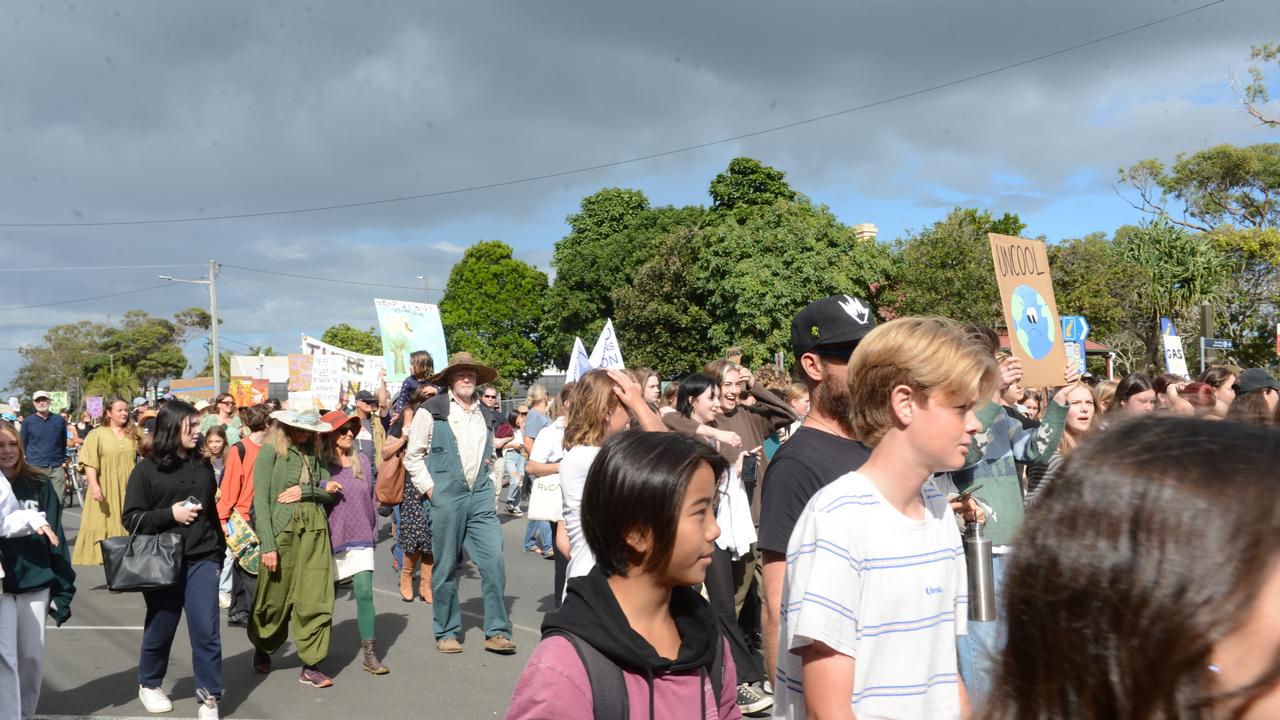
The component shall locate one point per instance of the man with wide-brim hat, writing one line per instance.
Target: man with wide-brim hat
(449, 460)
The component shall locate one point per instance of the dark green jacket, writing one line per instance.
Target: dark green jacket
(31, 563)
(273, 475)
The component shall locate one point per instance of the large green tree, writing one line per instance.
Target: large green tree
(614, 233)
(151, 347)
(365, 342)
(749, 183)
(491, 308)
(946, 268)
(59, 359)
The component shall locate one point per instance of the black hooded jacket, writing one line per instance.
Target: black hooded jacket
(591, 612)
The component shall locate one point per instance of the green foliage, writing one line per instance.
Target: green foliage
(224, 367)
(1220, 185)
(358, 341)
(662, 320)
(946, 269)
(148, 345)
(1247, 307)
(613, 234)
(764, 264)
(60, 356)
(749, 183)
(491, 308)
(122, 383)
(1255, 93)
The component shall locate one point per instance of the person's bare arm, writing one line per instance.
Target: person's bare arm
(632, 397)
(562, 540)
(773, 569)
(539, 469)
(828, 682)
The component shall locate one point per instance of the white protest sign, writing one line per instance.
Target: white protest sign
(1175, 359)
(579, 362)
(326, 379)
(607, 354)
(355, 371)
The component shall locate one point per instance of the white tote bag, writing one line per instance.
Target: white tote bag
(545, 502)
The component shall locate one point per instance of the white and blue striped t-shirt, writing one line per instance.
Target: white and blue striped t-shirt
(886, 590)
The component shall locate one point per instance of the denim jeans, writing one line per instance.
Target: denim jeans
(537, 532)
(196, 594)
(515, 469)
(979, 651)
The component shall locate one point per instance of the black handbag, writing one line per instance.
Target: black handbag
(134, 563)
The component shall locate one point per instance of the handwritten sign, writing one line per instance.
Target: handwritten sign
(299, 372)
(341, 375)
(248, 391)
(93, 404)
(1030, 310)
(406, 328)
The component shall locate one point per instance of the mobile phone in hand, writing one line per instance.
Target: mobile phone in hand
(192, 502)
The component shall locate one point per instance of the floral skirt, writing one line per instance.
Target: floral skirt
(414, 533)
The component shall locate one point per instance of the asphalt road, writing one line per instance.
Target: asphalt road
(91, 662)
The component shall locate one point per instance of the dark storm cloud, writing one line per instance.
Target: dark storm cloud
(114, 111)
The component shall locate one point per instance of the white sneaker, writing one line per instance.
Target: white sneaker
(208, 710)
(224, 600)
(154, 700)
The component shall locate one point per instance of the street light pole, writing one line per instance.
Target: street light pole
(426, 291)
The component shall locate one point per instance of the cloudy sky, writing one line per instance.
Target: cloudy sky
(117, 112)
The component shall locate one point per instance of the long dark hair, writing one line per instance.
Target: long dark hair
(638, 481)
(692, 388)
(167, 451)
(1153, 544)
(1129, 386)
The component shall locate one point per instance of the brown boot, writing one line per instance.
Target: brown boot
(371, 662)
(406, 575)
(424, 585)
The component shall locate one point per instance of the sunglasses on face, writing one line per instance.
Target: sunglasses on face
(227, 402)
(348, 431)
(490, 397)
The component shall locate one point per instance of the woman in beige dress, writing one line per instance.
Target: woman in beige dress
(108, 456)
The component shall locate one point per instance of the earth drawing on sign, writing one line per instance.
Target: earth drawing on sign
(1033, 321)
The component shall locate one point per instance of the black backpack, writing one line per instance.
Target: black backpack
(609, 689)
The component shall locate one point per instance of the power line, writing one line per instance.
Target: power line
(330, 280)
(85, 299)
(93, 267)
(636, 159)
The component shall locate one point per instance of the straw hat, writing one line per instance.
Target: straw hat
(464, 361)
(307, 419)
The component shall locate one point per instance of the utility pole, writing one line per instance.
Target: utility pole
(1206, 331)
(213, 327)
(426, 291)
(212, 282)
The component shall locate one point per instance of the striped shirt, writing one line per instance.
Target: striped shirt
(886, 590)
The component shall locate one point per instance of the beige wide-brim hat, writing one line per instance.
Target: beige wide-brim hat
(201, 405)
(307, 419)
(464, 361)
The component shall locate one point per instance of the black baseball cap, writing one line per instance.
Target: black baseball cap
(1255, 379)
(365, 396)
(832, 323)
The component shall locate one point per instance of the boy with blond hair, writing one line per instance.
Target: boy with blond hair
(875, 590)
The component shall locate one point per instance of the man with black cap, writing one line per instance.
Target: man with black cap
(373, 428)
(823, 335)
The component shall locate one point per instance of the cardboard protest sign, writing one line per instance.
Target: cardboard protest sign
(1030, 310)
(249, 391)
(299, 372)
(192, 390)
(93, 404)
(58, 401)
(407, 327)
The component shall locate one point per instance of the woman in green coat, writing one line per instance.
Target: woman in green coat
(295, 583)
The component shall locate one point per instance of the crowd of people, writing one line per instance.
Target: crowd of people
(734, 543)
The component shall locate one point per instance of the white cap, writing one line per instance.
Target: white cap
(39, 395)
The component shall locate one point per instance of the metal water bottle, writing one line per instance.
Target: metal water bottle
(982, 585)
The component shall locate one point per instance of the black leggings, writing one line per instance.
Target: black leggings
(720, 587)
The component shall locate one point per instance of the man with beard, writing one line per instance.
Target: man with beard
(823, 336)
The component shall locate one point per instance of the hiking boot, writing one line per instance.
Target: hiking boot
(261, 662)
(371, 662)
(449, 645)
(752, 699)
(499, 645)
(154, 700)
(312, 676)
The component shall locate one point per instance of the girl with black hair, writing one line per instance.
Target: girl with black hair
(648, 514)
(698, 400)
(173, 489)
